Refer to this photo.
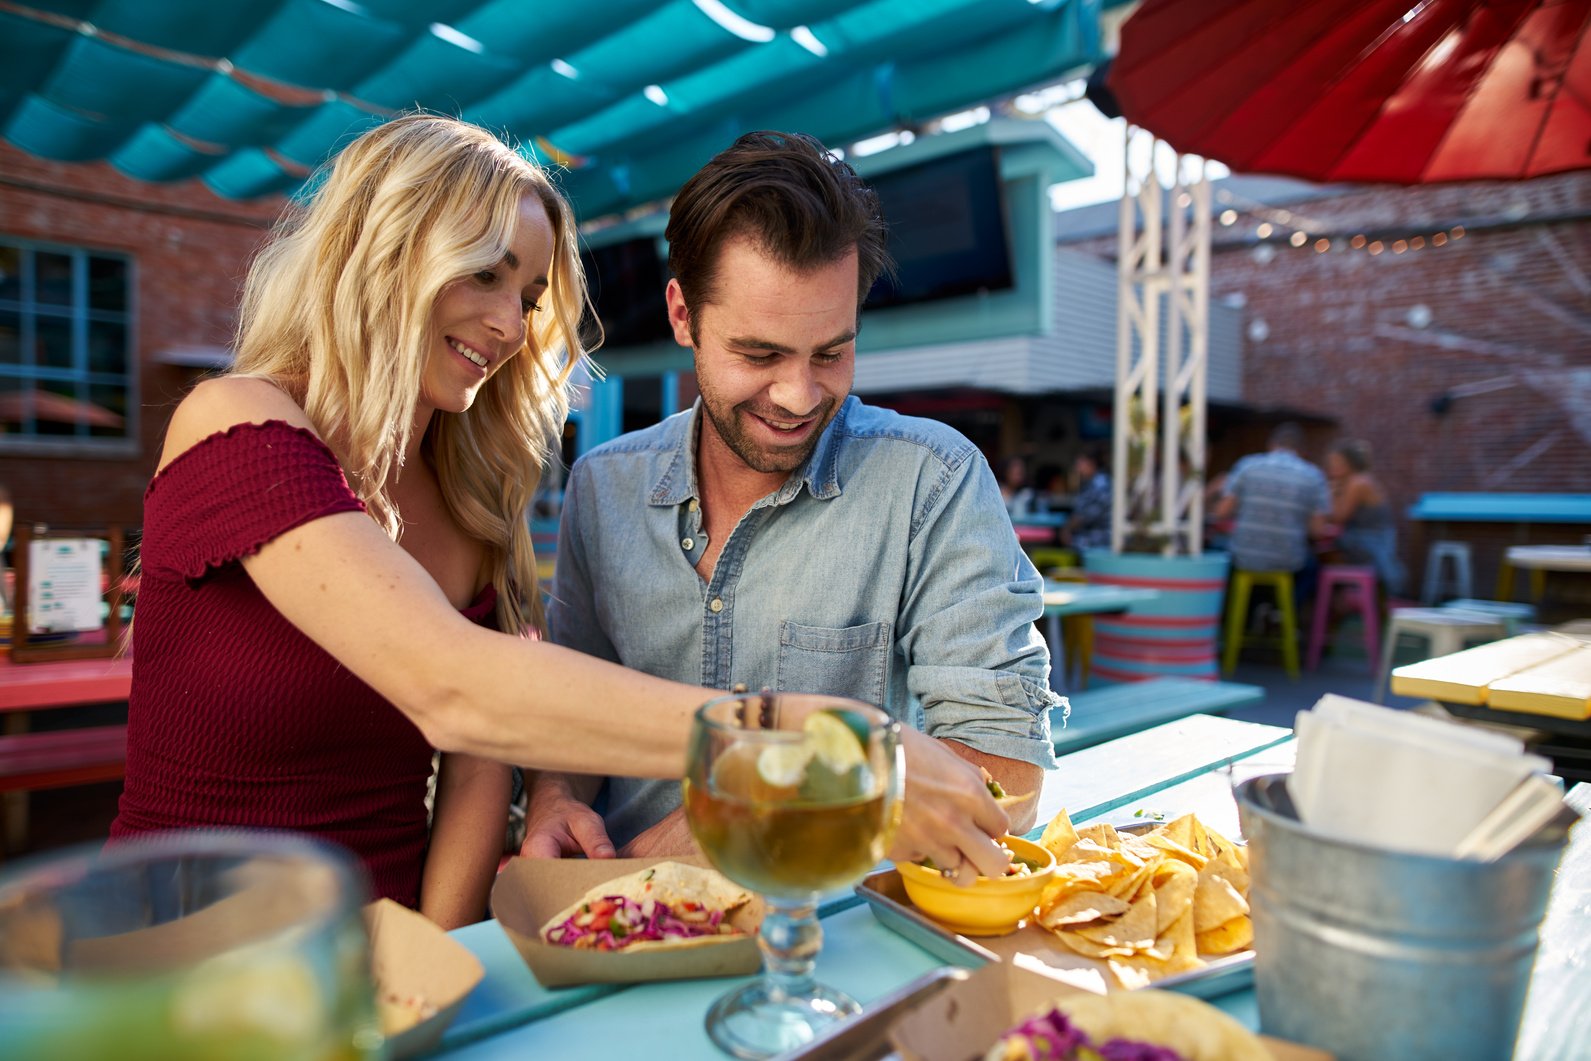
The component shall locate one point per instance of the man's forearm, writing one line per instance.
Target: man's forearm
(1014, 775)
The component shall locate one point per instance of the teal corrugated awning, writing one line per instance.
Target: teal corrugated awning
(632, 95)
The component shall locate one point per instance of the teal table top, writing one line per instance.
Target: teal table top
(1184, 766)
(1082, 598)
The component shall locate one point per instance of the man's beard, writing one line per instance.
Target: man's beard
(757, 457)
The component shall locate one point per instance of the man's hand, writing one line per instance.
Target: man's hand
(1017, 777)
(949, 815)
(559, 821)
(669, 838)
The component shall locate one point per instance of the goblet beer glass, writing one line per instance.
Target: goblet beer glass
(790, 799)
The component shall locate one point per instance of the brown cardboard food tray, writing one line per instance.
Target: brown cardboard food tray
(531, 890)
(411, 957)
(965, 1018)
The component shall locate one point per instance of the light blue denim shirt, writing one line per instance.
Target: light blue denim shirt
(884, 569)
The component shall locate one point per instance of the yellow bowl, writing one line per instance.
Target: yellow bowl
(990, 906)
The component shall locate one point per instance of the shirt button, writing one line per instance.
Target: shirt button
(688, 544)
(717, 605)
(693, 506)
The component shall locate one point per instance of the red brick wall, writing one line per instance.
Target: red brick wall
(1509, 305)
(189, 248)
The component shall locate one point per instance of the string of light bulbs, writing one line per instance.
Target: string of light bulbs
(1372, 243)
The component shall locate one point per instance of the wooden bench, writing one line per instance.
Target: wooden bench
(56, 758)
(1099, 715)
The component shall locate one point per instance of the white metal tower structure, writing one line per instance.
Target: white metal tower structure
(1162, 272)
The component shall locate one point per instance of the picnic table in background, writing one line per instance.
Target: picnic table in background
(60, 757)
(1538, 682)
(1538, 560)
(1082, 599)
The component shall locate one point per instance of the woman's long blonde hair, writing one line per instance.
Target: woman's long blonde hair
(337, 309)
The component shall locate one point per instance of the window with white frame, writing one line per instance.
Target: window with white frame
(65, 345)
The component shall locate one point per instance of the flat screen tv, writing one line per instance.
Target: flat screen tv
(947, 231)
(625, 281)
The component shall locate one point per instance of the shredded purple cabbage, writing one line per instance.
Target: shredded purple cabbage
(1052, 1037)
(636, 922)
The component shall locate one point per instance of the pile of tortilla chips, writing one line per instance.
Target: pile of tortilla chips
(1150, 904)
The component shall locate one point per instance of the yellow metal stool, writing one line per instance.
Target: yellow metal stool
(1281, 583)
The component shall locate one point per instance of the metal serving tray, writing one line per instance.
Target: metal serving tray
(885, 893)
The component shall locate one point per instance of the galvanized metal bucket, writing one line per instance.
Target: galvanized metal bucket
(1375, 954)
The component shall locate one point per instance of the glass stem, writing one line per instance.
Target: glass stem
(790, 940)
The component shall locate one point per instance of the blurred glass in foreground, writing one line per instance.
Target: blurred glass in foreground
(231, 946)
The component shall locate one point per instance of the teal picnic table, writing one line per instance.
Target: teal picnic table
(1188, 765)
(1066, 599)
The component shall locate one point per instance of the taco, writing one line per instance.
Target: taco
(666, 905)
(1143, 1025)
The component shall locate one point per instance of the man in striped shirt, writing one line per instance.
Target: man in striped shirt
(1281, 501)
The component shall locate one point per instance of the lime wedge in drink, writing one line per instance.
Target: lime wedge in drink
(783, 765)
(837, 737)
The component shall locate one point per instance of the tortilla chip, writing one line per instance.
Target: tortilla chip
(1175, 951)
(1174, 884)
(1102, 834)
(1079, 908)
(1176, 850)
(1059, 835)
(1089, 948)
(1237, 934)
(1228, 864)
(1127, 886)
(1135, 928)
(1011, 803)
(1090, 876)
(1215, 901)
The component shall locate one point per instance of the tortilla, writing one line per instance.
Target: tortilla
(673, 883)
(1196, 1030)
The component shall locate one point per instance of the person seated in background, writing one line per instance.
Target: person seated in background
(1360, 509)
(1279, 502)
(1088, 527)
(1014, 488)
(336, 570)
(781, 533)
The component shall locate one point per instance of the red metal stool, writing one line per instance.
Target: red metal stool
(1361, 582)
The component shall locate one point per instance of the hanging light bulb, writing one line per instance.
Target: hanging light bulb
(1298, 239)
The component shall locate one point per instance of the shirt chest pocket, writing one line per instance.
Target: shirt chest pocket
(848, 661)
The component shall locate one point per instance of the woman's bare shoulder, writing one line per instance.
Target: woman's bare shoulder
(218, 404)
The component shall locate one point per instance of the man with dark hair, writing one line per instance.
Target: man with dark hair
(781, 533)
(1280, 501)
(1088, 526)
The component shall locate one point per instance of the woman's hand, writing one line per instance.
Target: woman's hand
(949, 815)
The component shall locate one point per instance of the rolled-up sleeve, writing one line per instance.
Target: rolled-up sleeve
(975, 661)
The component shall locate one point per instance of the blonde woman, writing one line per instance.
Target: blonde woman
(336, 572)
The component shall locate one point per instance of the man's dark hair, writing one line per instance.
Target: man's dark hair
(800, 204)
(1287, 435)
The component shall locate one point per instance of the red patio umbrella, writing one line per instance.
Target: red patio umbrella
(1405, 91)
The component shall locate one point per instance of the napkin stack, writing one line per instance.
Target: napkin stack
(1406, 782)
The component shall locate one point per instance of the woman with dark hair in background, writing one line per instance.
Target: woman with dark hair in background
(1360, 507)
